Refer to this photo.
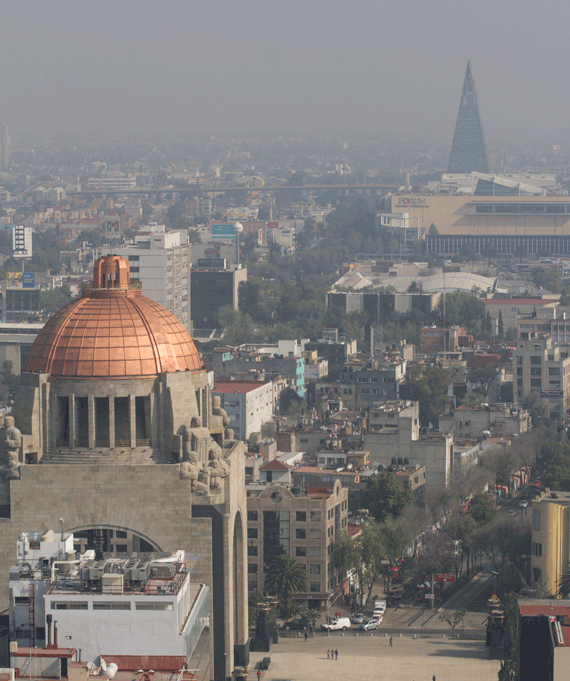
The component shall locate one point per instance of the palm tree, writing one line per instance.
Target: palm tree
(564, 586)
(285, 576)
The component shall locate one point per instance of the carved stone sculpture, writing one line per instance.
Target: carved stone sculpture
(229, 439)
(191, 469)
(10, 445)
(218, 468)
(199, 440)
(220, 418)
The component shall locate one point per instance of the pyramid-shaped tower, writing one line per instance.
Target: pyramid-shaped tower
(468, 151)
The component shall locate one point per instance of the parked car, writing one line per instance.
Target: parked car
(523, 503)
(398, 593)
(339, 623)
(359, 618)
(296, 625)
(373, 623)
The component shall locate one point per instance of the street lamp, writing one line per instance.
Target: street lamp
(237, 230)
(495, 575)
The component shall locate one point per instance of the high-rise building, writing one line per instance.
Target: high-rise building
(161, 262)
(4, 147)
(468, 152)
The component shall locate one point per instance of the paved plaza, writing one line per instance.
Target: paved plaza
(371, 659)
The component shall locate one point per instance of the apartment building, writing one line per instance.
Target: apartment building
(249, 404)
(301, 524)
(550, 550)
(542, 368)
(162, 263)
(211, 290)
(498, 419)
(393, 438)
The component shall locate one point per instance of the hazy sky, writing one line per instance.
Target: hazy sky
(283, 66)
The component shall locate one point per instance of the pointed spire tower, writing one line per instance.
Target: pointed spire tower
(468, 152)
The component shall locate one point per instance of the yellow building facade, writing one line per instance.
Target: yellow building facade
(550, 539)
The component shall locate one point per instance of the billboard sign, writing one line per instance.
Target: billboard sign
(247, 214)
(28, 280)
(218, 263)
(223, 230)
(22, 241)
(112, 227)
(446, 577)
(272, 225)
(13, 280)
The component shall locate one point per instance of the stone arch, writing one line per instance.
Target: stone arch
(105, 526)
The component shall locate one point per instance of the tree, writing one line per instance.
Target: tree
(546, 278)
(453, 619)
(384, 497)
(433, 230)
(564, 585)
(482, 510)
(500, 325)
(54, 299)
(435, 554)
(537, 410)
(510, 666)
(285, 576)
(485, 376)
(290, 402)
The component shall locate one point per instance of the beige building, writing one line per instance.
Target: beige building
(497, 419)
(550, 539)
(542, 368)
(504, 223)
(393, 438)
(301, 524)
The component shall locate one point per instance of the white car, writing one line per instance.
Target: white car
(339, 623)
(373, 623)
(359, 618)
(523, 503)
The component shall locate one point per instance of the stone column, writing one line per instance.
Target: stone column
(72, 421)
(111, 422)
(133, 420)
(91, 421)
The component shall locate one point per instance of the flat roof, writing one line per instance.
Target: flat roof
(44, 652)
(237, 386)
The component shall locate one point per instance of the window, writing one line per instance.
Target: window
(314, 534)
(252, 569)
(121, 548)
(315, 569)
(314, 587)
(554, 371)
(300, 534)
(252, 550)
(500, 425)
(120, 534)
(519, 383)
(519, 360)
(252, 586)
(115, 605)
(315, 551)
(252, 532)
(300, 551)
(252, 516)
(536, 520)
(536, 360)
(153, 605)
(535, 371)
(537, 348)
(301, 516)
(519, 371)
(535, 382)
(315, 516)
(536, 549)
(69, 605)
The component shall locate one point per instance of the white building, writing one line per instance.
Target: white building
(249, 404)
(161, 261)
(144, 604)
(30, 579)
(112, 182)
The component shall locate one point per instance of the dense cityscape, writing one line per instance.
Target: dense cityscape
(286, 395)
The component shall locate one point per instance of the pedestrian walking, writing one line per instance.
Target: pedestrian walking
(258, 674)
(390, 644)
(336, 654)
(305, 637)
(328, 654)
(433, 678)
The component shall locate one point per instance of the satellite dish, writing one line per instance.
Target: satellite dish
(103, 665)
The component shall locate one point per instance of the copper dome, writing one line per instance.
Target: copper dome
(112, 331)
